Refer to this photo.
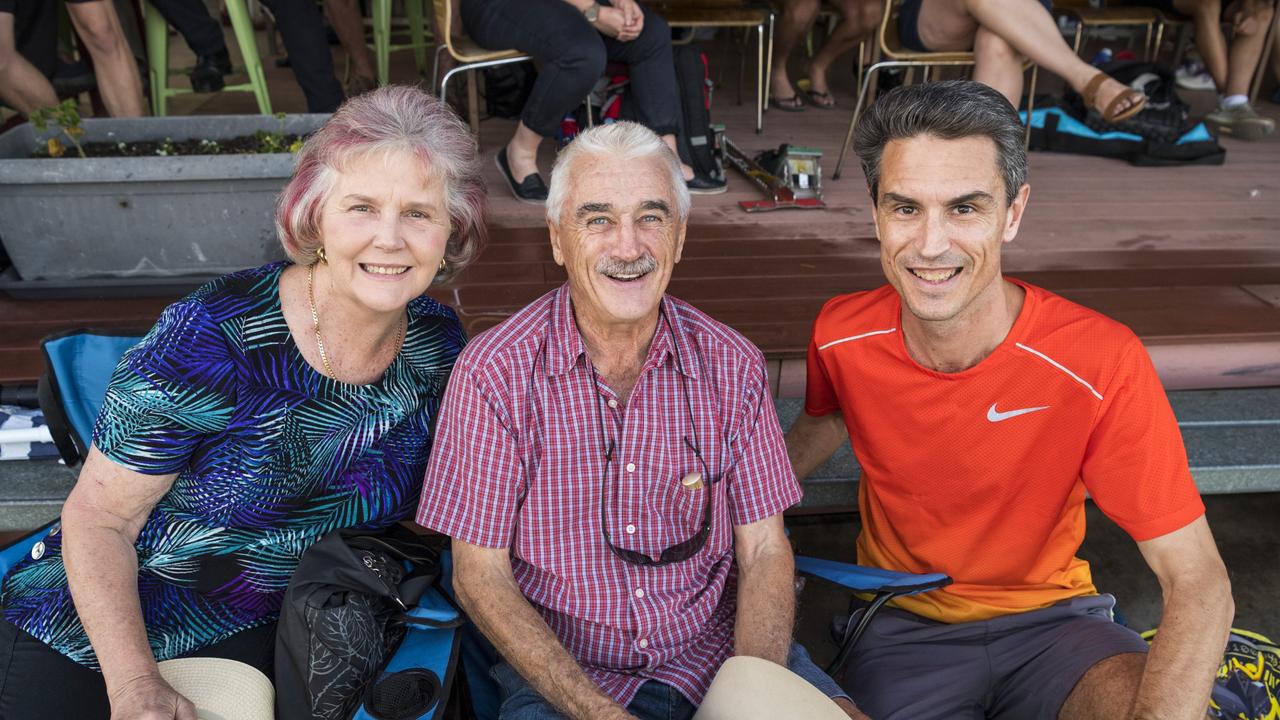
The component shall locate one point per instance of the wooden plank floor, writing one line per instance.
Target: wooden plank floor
(1188, 257)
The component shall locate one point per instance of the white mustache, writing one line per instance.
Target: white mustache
(639, 266)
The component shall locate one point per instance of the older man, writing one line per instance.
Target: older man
(610, 467)
(981, 410)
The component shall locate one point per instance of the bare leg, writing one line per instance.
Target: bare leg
(1024, 24)
(1209, 39)
(797, 16)
(998, 65)
(1107, 689)
(670, 140)
(347, 22)
(21, 84)
(1250, 20)
(99, 26)
(859, 18)
(522, 152)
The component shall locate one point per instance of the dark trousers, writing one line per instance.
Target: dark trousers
(37, 681)
(192, 20)
(307, 43)
(573, 56)
(305, 39)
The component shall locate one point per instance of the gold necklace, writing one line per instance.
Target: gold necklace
(315, 324)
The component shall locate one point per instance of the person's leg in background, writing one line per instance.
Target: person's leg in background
(302, 26)
(653, 83)
(858, 19)
(1206, 15)
(22, 86)
(204, 35)
(998, 64)
(348, 23)
(797, 17)
(1234, 116)
(572, 57)
(1024, 25)
(98, 26)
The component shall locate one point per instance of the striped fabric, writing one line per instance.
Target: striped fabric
(519, 460)
(269, 455)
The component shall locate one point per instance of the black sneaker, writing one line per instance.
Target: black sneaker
(703, 185)
(207, 74)
(530, 190)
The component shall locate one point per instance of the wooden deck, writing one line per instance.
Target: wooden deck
(1187, 257)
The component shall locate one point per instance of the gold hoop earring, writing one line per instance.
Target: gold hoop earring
(444, 265)
(320, 255)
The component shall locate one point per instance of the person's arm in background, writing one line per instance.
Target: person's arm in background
(812, 440)
(1197, 615)
(100, 523)
(487, 590)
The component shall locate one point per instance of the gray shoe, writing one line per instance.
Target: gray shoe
(1240, 121)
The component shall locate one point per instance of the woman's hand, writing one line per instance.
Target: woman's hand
(612, 21)
(149, 697)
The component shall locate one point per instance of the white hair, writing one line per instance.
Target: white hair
(623, 141)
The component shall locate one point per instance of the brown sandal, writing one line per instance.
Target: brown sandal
(1113, 113)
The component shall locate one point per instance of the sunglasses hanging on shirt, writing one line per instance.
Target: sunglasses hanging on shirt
(692, 481)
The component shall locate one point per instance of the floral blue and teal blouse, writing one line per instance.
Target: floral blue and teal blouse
(269, 454)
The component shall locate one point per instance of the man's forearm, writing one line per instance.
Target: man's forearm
(520, 634)
(1186, 653)
(766, 607)
(811, 440)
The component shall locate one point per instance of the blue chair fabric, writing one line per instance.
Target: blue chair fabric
(78, 366)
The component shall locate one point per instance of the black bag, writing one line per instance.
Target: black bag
(343, 617)
(507, 88)
(697, 140)
(1161, 134)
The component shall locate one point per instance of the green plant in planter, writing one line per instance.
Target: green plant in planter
(274, 141)
(67, 117)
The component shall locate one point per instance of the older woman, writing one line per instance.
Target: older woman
(262, 411)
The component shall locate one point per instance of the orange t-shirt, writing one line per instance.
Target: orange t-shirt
(982, 474)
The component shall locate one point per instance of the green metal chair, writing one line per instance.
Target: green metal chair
(158, 58)
(382, 44)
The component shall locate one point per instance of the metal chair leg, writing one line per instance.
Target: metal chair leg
(1031, 105)
(382, 39)
(417, 35)
(768, 65)
(760, 99)
(242, 26)
(853, 121)
(157, 33)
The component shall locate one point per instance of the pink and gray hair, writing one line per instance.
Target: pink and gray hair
(391, 119)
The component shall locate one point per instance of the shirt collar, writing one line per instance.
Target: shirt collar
(565, 346)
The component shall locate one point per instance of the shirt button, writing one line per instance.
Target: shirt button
(631, 529)
(613, 404)
(631, 467)
(639, 593)
(37, 550)
(643, 643)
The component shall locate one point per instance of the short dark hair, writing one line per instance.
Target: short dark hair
(949, 109)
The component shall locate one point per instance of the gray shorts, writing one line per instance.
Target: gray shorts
(1016, 667)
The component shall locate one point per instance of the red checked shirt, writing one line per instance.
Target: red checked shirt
(518, 461)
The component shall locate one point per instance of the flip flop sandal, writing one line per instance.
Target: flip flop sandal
(1113, 113)
(787, 104)
(822, 100)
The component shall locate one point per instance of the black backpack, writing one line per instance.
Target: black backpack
(344, 615)
(697, 140)
(1161, 134)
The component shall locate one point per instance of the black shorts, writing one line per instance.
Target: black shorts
(10, 6)
(909, 24)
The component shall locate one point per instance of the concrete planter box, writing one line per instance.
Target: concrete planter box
(74, 218)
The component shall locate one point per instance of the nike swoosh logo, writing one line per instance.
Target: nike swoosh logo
(996, 416)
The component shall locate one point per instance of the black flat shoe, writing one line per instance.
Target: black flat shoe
(703, 185)
(207, 74)
(529, 190)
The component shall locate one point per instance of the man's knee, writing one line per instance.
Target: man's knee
(96, 30)
(655, 37)
(1108, 686)
(582, 57)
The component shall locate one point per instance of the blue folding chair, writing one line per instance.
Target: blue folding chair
(78, 366)
(883, 585)
(478, 654)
